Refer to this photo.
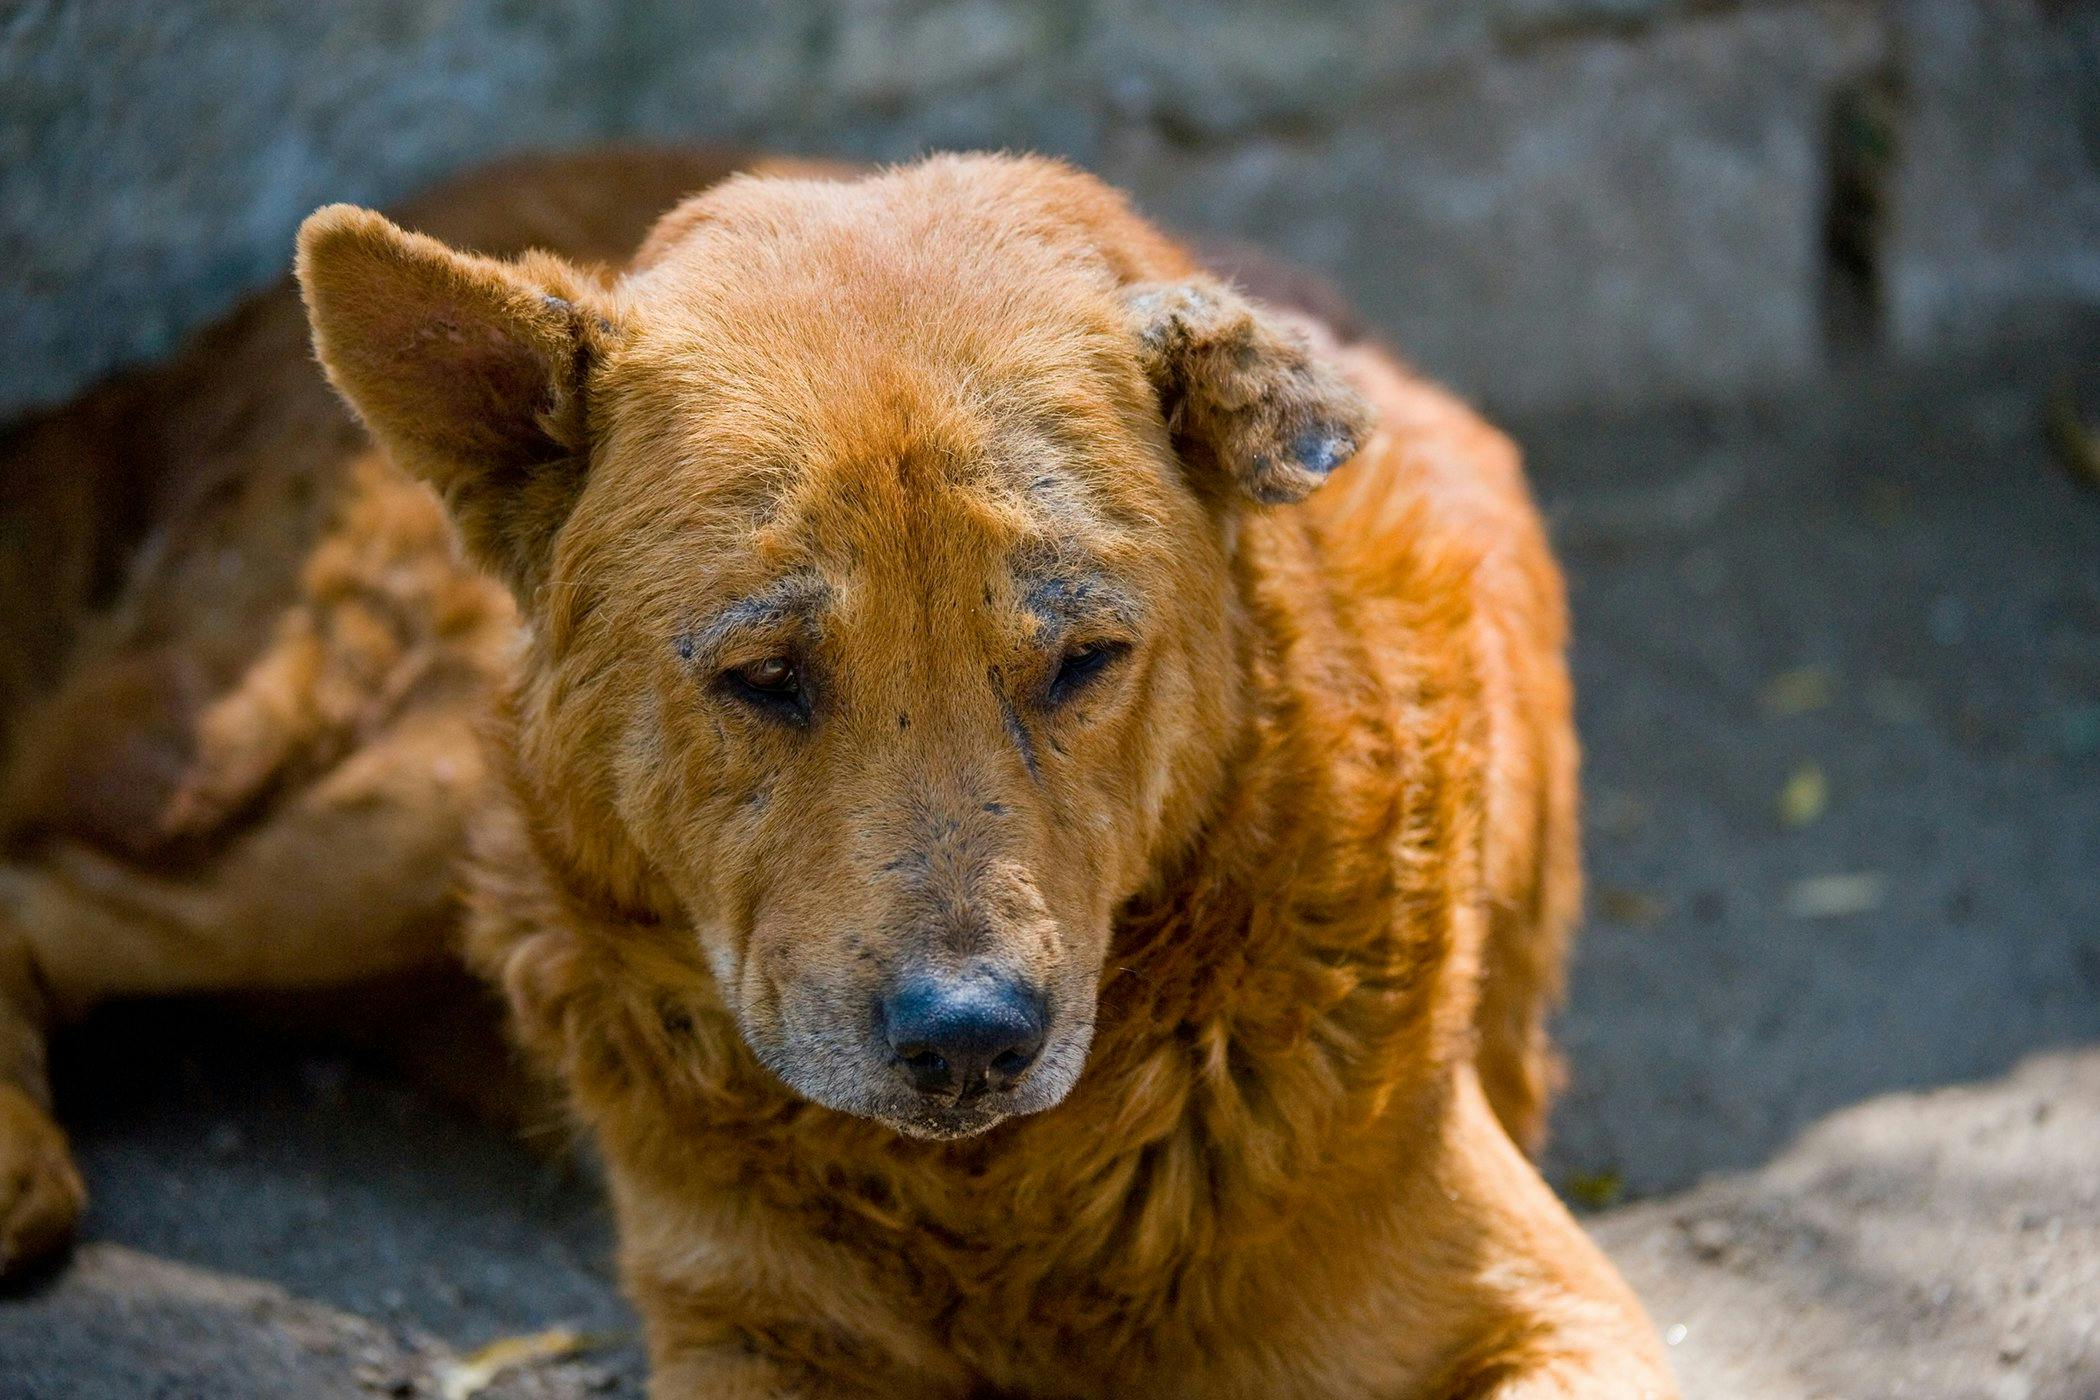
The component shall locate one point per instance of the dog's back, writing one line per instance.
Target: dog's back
(240, 667)
(1438, 472)
(156, 528)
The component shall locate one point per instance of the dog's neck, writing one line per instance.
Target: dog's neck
(1305, 932)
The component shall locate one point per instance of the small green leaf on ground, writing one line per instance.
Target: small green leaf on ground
(1799, 691)
(2077, 445)
(1805, 796)
(1837, 896)
(1596, 1190)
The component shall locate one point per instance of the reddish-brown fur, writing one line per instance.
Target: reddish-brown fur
(1297, 868)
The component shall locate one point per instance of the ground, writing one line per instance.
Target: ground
(1834, 1100)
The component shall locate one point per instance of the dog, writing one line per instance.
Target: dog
(1027, 796)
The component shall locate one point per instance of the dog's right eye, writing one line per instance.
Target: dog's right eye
(774, 676)
(773, 685)
(1081, 666)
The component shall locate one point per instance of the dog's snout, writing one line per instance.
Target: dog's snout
(961, 1038)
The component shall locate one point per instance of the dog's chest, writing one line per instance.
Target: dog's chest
(1056, 1275)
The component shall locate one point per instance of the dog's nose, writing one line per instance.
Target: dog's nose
(962, 1038)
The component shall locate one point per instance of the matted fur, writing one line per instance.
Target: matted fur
(1300, 873)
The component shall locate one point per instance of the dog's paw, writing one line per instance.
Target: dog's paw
(41, 1195)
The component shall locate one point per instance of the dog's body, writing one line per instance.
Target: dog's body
(1282, 848)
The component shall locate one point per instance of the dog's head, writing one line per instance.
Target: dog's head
(875, 542)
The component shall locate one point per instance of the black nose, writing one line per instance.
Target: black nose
(961, 1038)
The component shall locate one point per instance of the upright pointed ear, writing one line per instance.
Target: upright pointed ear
(470, 373)
(1244, 391)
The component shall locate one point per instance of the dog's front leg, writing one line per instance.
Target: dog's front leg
(1542, 1314)
(739, 1375)
(41, 1195)
(737, 1372)
(1613, 1374)
(731, 1337)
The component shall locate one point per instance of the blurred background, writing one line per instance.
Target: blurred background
(1549, 202)
(1795, 309)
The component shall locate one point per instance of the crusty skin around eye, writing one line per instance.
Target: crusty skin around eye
(1081, 667)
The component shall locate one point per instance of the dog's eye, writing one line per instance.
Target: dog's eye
(1080, 666)
(774, 675)
(774, 685)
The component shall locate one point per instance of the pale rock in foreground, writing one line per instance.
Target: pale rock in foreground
(1942, 1245)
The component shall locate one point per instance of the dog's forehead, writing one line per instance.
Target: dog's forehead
(896, 389)
(958, 438)
(794, 289)
(948, 515)
(922, 482)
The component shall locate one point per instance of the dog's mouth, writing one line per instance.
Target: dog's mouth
(946, 1123)
(864, 1084)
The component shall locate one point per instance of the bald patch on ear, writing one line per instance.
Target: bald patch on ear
(1244, 390)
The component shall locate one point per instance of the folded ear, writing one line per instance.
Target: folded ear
(1244, 391)
(469, 372)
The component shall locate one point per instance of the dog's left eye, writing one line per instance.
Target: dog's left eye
(1080, 666)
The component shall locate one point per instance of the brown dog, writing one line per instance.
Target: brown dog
(1027, 896)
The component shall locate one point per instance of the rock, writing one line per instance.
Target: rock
(116, 1322)
(1550, 202)
(1873, 1259)
(1605, 219)
(1995, 205)
(154, 158)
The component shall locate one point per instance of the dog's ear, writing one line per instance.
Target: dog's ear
(1244, 391)
(470, 373)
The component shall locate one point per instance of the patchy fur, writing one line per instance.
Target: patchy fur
(1267, 790)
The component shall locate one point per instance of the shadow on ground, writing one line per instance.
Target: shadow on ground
(1838, 671)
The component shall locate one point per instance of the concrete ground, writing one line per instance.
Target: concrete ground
(1839, 660)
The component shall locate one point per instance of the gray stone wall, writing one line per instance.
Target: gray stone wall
(1548, 202)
